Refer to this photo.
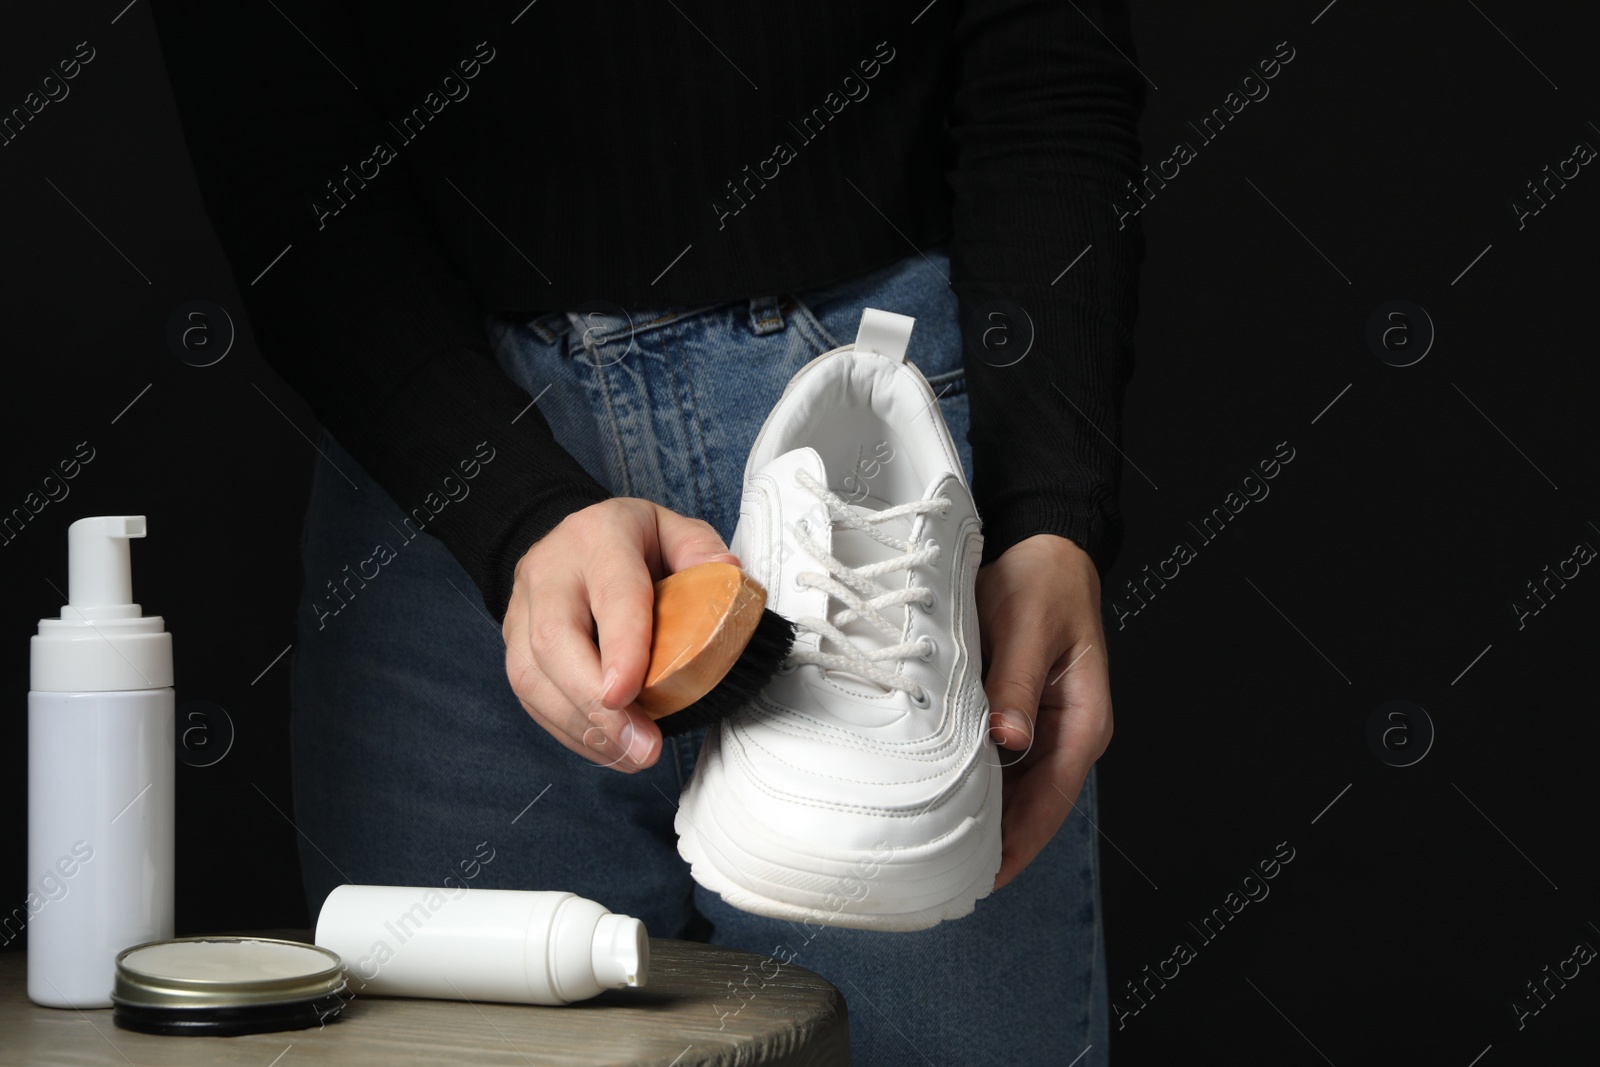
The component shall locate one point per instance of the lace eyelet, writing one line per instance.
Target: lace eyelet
(930, 647)
(925, 702)
(804, 526)
(798, 584)
(788, 666)
(927, 604)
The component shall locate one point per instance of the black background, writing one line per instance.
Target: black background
(1382, 566)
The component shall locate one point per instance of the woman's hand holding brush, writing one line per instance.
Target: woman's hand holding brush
(591, 579)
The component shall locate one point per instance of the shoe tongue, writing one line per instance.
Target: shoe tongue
(855, 548)
(852, 548)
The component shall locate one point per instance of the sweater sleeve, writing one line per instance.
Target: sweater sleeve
(1045, 127)
(359, 309)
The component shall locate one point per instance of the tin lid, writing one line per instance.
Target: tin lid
(233, 985)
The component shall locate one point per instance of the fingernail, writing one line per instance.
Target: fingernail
(605, 686)
(1017, 722)
(637, 744)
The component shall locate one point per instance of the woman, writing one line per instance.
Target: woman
(541, 271)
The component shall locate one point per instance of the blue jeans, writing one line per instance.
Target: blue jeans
(413, 761)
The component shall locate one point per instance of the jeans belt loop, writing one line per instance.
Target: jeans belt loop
(766, 315)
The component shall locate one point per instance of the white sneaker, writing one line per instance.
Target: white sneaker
(860, 788)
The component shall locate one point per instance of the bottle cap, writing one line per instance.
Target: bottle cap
(219, 986)
(101, 643)
(621, 952)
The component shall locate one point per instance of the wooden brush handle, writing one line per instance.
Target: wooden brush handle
(704, 618)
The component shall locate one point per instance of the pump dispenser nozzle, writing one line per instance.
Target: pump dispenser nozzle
(99, 571)
(102, 642)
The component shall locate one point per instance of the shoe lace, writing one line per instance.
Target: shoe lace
(858, 588)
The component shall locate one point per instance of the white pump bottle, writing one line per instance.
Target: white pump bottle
(100, 775)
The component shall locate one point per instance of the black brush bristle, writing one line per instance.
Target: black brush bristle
(768, 647)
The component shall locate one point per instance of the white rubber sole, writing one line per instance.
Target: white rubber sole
(907, 888)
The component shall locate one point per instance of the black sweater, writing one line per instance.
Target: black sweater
(383, 175)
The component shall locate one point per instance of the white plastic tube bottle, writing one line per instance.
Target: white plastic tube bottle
(481, 944)
(100, 775)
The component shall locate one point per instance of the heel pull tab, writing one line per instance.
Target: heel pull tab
(884, 333)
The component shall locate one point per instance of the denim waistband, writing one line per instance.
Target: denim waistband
(604, 321)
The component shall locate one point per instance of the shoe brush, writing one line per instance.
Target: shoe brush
(714, 644)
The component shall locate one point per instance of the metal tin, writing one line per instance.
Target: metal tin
(226, 985)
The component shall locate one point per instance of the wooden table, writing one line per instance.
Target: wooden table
(682, 1018)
